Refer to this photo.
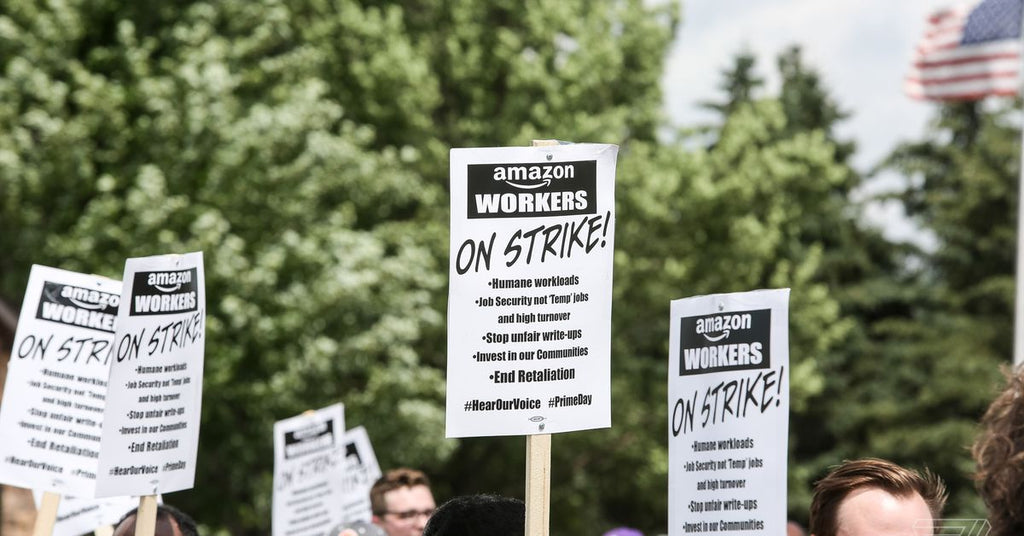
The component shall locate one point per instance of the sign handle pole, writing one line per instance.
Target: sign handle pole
(46, 517)
(145, 518)
(538, 484)
(538, 463)
(105, 530)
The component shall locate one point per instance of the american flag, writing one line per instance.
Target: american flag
(968, 52)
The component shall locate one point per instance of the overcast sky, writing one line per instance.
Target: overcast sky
(861, 49)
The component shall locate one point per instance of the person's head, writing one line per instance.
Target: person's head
(474, 515)
(873, 497)
(401, 502)
(999, 454)
(169, 522)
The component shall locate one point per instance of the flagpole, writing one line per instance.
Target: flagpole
(1018, 312)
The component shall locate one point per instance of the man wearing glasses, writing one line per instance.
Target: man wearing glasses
(402, 502)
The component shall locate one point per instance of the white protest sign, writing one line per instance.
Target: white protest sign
(309, 472)
(728, 400)
(154, 397)
(76, 517)
(52, 409)
(362, 470)
(529, 302)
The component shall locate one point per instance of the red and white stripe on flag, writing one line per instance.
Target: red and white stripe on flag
(968, 52)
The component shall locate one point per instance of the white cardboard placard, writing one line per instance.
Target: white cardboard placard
(154, 397)
(729, 413)
(530, 281)
(362, 470)
(52, 410)
(309, 472)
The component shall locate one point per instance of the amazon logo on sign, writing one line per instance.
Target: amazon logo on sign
(726, 341)
(165, 292)
(532, 189)
(312, 438)
(78, 306)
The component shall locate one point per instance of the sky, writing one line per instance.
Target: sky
(860, 48)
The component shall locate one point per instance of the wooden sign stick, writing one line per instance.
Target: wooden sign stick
(538, 464)
(145, 517)
(538, 484)
(105, 530)
(46, 517)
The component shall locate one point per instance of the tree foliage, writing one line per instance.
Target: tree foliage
(218, 127)
(962, 187)
(303, 146)
(911, 368)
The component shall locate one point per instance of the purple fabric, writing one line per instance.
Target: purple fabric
(623, 531)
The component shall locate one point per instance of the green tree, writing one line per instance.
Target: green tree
(303, 147)
(871, 392)
(806, 102)
(962, 187)
(740, 84)
(766, 204)
(214, 127)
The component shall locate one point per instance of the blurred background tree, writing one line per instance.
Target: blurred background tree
(303, 146)
(962, 185)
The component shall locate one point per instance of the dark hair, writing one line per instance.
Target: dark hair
(999, 454)
(830, 491)
(403, 477)
(166, 512)
(478, 515)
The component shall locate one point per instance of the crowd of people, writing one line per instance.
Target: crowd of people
(864, 497)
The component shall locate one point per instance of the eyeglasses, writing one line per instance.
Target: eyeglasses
(407, 515)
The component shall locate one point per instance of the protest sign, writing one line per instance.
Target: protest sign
(309, 472)
(529, 304)
(52, 410)
(361, 471)
(76, 517)
(154, 396)
(729, 413)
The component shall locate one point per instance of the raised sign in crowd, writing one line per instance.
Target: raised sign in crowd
(100, 415)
